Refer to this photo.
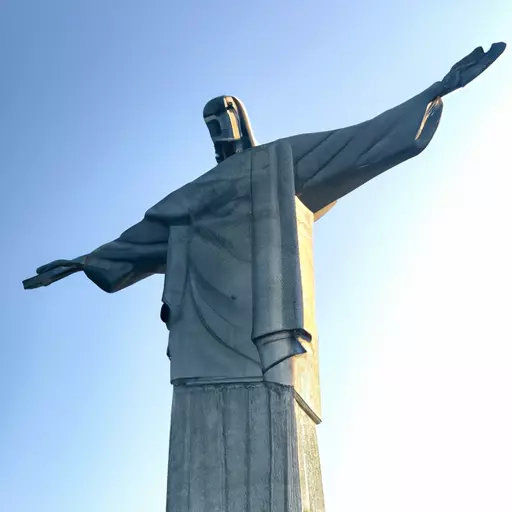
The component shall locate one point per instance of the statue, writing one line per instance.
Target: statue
(230, 249)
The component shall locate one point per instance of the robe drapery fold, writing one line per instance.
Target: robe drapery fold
(227, 241)
(276, 279)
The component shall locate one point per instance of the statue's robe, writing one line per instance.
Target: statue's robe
(227, 242)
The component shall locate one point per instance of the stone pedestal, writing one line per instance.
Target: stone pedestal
(241, 448)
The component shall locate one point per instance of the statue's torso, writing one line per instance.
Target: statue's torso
(209, 291)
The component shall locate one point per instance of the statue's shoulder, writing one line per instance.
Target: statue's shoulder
(221, 181)
(278, 151)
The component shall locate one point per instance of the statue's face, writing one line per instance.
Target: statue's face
(228, 125)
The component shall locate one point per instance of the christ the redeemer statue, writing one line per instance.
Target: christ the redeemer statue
(229, 244)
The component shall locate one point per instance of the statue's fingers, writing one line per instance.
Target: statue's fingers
(468, 60)
(50, 276)
(494, 52)
(484, 61)
(55, 264)
(33, 282)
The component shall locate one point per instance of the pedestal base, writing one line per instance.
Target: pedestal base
(242, 447)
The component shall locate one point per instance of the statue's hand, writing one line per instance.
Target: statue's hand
(54, 271)
(467, 69)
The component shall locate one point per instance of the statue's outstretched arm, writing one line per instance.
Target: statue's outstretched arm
(139, 252)
(331, 164)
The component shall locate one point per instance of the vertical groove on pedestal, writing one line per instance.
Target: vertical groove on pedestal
(259, 455)
(187, 457)
(237, 459)
(271, 447)
(225, 445)
(247, 471)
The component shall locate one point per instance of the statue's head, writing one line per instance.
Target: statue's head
(229, 126)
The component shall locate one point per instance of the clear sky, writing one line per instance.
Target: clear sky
(100, 117)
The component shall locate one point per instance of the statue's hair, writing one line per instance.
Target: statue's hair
(246, 122)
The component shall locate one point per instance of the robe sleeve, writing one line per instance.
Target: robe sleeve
(329, 165)
(139, 252)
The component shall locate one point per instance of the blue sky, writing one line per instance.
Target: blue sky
(101, 117)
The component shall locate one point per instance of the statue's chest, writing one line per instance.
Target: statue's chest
(211, 257)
